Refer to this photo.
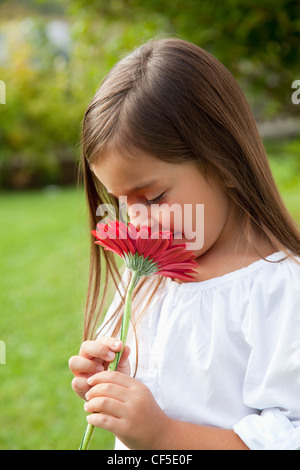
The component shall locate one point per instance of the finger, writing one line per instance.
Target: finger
(113, 377)
(101, 420)
(106, 405)
(80, 386)
(80, 366)
(124, 364)
(109, 390)
(124, 356)
(103, 348)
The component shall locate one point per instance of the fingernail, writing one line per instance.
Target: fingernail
(99, 368)
(90, 380)
(117, 344)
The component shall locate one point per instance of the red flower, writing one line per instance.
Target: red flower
(146, 252)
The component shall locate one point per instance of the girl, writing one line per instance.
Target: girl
(211, 364)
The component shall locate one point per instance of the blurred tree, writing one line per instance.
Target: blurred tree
(258, 41)
(40, 122)
(49, 83)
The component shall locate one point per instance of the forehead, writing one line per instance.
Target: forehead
(120, 173)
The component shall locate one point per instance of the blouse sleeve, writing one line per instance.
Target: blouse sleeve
(272, 381)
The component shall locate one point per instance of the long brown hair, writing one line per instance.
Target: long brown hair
(174, 101)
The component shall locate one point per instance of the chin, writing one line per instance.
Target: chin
(182, 240)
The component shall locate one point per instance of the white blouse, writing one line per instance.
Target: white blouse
(226, 352)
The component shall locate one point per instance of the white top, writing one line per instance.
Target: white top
(226, 352)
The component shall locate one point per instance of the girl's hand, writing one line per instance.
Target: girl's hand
(95, 356)
(127, 408)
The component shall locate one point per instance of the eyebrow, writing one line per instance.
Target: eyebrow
(144, 185)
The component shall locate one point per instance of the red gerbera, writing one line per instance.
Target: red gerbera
(145, 252)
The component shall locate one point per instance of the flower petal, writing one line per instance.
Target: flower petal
(178, 255)
(109, 245)
(134, 246)
(178, 266)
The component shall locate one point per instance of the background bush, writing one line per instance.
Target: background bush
(53, 56)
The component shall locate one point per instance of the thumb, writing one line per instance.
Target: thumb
(124, 365)
(125, 354)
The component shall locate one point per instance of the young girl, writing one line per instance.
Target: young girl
(214, 363)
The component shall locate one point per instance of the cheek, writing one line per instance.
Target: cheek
(205, 219)
(163, 217)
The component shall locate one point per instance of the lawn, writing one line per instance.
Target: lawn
(43, 265)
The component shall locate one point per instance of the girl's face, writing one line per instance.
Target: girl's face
(167, 196)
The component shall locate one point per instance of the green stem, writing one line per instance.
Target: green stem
(87, 437)
(125, 320)
(114, 364)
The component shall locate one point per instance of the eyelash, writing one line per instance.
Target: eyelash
(154, 201)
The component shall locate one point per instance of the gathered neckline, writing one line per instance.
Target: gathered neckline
(238, 273)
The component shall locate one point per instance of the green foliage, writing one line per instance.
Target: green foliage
(285, 165)
(48, 90)
(258, 41)
(49, 85)
(40, 123)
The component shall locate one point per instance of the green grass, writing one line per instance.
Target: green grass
(43, 280)
(43, 266)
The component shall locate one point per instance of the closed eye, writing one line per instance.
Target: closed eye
(156, 200)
